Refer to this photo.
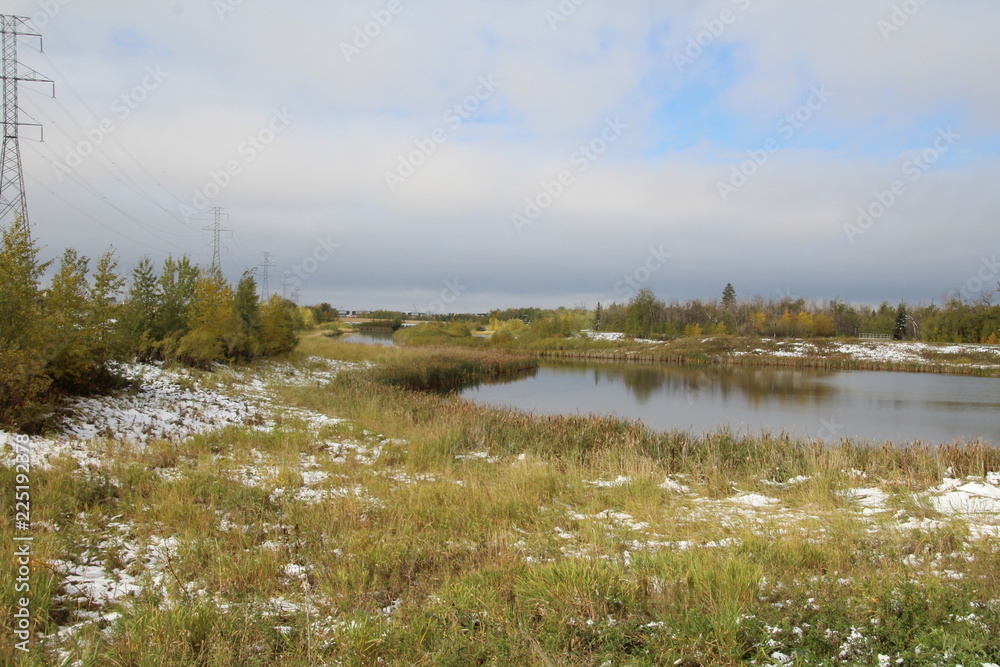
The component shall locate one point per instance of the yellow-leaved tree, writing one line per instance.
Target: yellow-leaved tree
(214, 327)
(278, 327)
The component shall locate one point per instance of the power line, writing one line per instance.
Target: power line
(94, 192)
(61, 167)
(87, 215)
(12, 195)
(66, 82)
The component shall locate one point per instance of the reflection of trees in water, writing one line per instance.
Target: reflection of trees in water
(785, 386)
(515, 376)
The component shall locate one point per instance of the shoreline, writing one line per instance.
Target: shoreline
(836, 354)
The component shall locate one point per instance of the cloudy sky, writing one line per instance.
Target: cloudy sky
(415, 154)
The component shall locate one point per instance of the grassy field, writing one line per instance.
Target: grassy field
(344, 518)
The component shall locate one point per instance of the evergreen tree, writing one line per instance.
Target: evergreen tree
(598, 316)
(248, 311)
(20, 273)
(70, 347)
(23, 383)
(729, 296)
(176, 294)
(105, 332)
(902, 319)
(140, 309)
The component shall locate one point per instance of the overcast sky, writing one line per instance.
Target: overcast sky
(472, 154)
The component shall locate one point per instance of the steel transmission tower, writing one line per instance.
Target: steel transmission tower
(12, 198)
(265, 286)
(217, 231)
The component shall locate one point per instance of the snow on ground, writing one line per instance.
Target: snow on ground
(754, 500)
(168, 404)
(613, 336)
(674, 485)
(172, 404)
(970, 499)
(973, 501)
(884, 351)
(610, 483)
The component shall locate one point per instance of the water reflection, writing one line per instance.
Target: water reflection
(644, 382)
(900, 407)
(367, 338)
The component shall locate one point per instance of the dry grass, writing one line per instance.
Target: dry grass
(427, 530)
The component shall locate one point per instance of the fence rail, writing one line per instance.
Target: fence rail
(874, 336)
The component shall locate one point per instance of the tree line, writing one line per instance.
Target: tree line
(68, 338)
(647, 316)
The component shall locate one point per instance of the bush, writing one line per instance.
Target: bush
(278, 328)
(23, 389)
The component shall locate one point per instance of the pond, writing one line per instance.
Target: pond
(830, 405)
(368, 338)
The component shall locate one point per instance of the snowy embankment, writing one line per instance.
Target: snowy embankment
(169, 404)
(162, 404)
(882, 351)
(890, 352)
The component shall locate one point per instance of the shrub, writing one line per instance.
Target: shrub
(23, 389)
(278, 328)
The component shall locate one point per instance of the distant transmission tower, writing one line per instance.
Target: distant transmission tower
(217, 230)
(12, 198)
(265, 285)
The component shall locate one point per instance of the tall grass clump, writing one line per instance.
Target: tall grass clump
(447, 371)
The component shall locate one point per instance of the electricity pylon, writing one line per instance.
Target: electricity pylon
(217, 230)
(12, 197)
(266, 263)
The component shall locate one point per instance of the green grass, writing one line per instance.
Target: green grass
(430, 531)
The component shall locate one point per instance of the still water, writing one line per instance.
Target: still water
(368, 338)
(831, 405)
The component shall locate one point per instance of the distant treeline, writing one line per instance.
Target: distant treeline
(647, 316)
(66, 339)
